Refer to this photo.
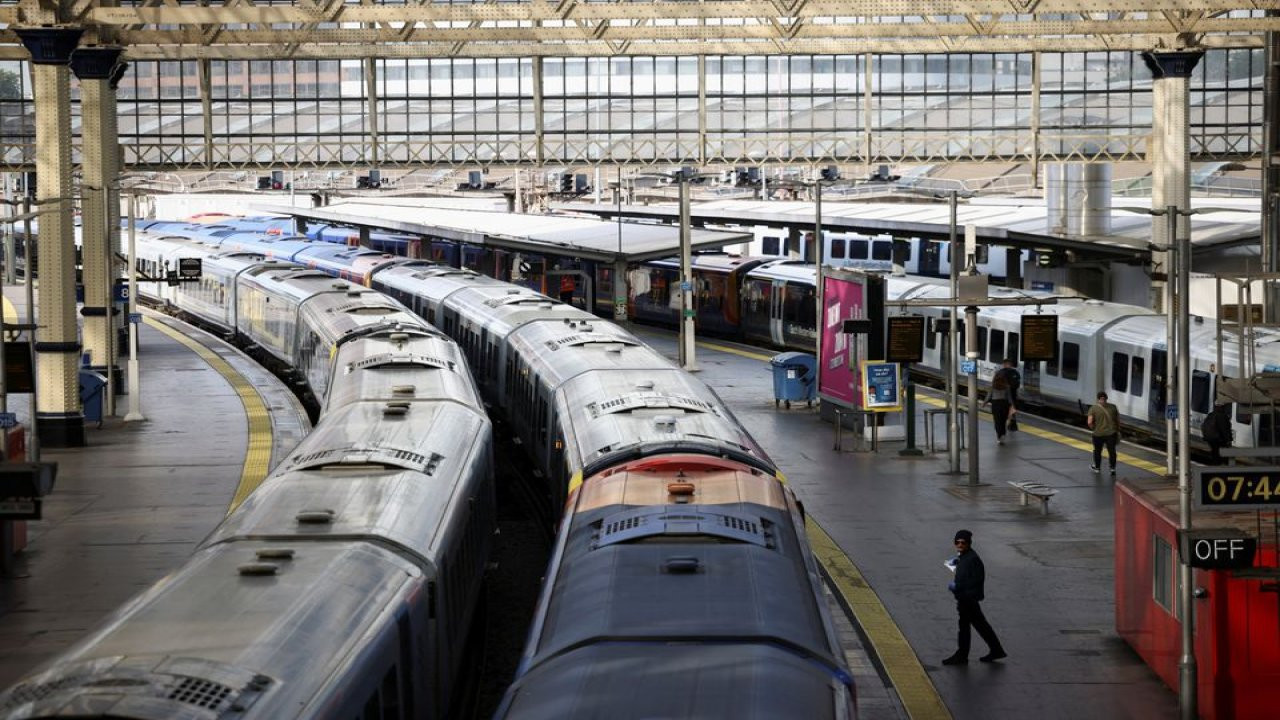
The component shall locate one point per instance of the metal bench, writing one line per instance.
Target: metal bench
(1037, 491)
(863, 418)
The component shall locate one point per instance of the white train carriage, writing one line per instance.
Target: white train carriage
(346, 584)
(613, 398)
(328, 319)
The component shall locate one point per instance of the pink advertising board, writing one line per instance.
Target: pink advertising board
(844, 297)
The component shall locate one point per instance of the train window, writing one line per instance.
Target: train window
(1162, 572)
(1070, 361)
(1120, 372)
(1137, 375)
(982, 343)
(857, 249)
(997, 345)
(769, 246)
(931, 337)
(1011, 348)
(882, 250)
(1200, 391)
(837, 248)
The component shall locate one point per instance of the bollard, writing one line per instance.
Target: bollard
(910, 421)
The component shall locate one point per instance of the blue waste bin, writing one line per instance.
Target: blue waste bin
(92, 388)
(794, 374)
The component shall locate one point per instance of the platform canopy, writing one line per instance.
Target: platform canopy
(562, 235)
(1014, 222)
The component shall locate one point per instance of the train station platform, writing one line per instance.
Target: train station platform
(891, 519)
(135, 501)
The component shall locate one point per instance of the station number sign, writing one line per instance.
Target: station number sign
(1236, 488)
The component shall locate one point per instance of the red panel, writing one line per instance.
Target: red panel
(15, 443)
(1237, 625)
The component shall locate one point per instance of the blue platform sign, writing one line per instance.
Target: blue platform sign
(1171, 411)
(8, 420)
(969, 367)
(881, 386)
(120, 291)
(135, 318)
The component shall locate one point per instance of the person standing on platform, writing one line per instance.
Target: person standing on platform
(1001, 399)
(567, 286)
(968, 588)
(1014, 379)
(1104, 421)
(1217, 431)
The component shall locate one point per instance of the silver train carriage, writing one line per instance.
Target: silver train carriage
(343, 587)
(681, 571)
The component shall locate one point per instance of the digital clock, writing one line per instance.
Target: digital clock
(1237, 488)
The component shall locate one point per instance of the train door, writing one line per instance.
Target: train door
(777, 306)
(1125, 381)
(929, 257)
(1156, 388)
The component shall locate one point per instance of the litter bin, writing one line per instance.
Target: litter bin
(793, 378)
(93, 386)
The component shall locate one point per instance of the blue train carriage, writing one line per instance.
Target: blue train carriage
(681, 586)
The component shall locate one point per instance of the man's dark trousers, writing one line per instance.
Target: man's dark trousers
(971, 614)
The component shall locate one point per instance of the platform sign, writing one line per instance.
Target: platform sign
(8, 420)
(969, 367)
(120, 291)
(189, 267)
(1171, 411)
(906, 339)
(1236, 488)
(135, 318)
(881, 386)
(19, 371)
(1216, 548)
(1039, 337)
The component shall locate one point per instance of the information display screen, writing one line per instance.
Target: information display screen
(906, 339)
(1237, 487)
(1039, 337)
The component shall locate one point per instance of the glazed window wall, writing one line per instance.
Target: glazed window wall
(758, 109)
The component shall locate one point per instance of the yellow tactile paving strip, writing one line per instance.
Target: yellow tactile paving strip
(258, 457)
(919, 697)
(1053, 436)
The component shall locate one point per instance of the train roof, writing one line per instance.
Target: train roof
(723, 262)
(785, 270)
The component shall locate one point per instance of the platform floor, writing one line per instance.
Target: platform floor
(135, 502)
(1050, 578)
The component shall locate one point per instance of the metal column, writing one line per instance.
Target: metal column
(94, 66)
(688, 346)
(1170, 161)
(59, 418)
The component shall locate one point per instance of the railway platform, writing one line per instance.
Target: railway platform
(134, 502)
(883, 524)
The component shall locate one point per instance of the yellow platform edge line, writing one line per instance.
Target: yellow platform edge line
(919, 697)
(258, 454)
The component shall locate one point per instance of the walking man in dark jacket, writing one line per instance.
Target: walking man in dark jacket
(968, 589)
